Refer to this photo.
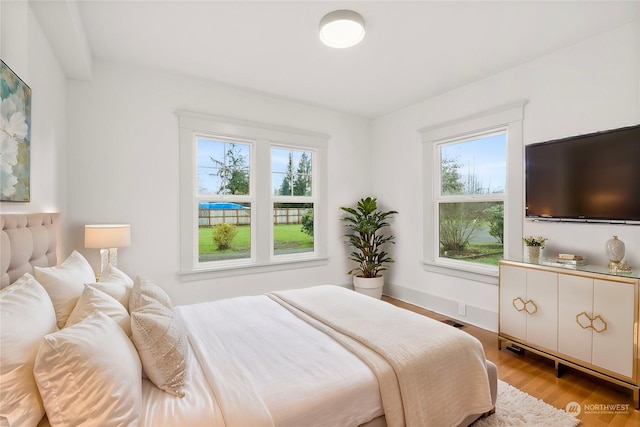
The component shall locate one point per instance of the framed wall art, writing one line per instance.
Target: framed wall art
(15, 136)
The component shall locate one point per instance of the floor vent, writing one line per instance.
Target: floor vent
(453, 323)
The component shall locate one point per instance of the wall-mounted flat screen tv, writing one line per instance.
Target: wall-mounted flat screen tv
(593, 177)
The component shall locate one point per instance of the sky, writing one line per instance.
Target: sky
(484, 156)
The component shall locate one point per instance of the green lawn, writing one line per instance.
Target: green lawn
(287, 238)
(484, 253)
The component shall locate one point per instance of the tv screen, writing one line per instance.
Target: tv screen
(587, 177)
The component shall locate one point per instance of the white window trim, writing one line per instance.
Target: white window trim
(509, 117)
(264, 135)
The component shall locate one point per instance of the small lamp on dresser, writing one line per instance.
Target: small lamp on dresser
(108, 238)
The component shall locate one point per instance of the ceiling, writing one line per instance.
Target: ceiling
(413, 50)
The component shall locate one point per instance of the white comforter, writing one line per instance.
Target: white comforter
(275, 367)
(259, 362)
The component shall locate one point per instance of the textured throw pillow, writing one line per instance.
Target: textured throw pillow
(92, 300)
(26, 315)
(89, 374)
(159, 337)
(144, 292)
(116, 284)
(64, 283)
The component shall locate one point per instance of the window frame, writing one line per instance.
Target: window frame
(245, 198)
(263, 137)
(508, 118)
(313, 199)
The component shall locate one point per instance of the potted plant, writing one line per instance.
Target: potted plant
(365, 224)
(534, 244)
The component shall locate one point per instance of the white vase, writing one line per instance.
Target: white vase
(615, 250)
(533, 252)
(371, 286)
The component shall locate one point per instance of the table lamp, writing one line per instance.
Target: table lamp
(108, 238)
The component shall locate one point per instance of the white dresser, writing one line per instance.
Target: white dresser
(585, 318)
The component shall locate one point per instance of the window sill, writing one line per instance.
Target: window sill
(242, 270)
(484, 275)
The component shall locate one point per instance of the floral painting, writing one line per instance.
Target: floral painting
(15, 136)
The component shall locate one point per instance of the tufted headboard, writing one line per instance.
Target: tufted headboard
(27, 241)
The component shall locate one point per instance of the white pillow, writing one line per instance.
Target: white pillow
(144, 292)
(116, 284)
(64, 283)
(159, 337)
(93, 299)
(26, 315)
(90, 374)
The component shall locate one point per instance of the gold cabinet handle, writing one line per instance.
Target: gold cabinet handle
(584, 323)
(598, 324)
(519, 304)
(535, 307)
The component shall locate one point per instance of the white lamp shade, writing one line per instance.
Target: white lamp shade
(107, 235)
(342, 28)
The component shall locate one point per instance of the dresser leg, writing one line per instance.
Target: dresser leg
(559, 369)
(636, 397)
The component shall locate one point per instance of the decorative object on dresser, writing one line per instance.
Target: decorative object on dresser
(615, 252)
(584, 318)
(15, 137)
(108, 238)
(534, 245)
(365, 224)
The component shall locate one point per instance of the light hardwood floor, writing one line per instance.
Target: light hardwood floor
(535, 375)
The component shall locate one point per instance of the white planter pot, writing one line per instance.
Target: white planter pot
(369, 286)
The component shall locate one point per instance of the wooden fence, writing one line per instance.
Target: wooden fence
(211, 217)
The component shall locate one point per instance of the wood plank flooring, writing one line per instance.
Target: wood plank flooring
(535, 375)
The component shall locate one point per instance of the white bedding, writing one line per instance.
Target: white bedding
(298, 373)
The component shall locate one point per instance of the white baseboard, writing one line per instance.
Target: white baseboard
(476, 316)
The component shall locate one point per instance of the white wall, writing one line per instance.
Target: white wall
(591, 86)
(123, 167)
(120, 161)
(26, 51)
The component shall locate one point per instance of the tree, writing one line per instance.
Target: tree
(285, 187)
(302, 183)
(233, 172)
(451, 179)
(307, 222)
(458, 221)
(495, 215)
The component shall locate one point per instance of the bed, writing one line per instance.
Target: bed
(117, 352)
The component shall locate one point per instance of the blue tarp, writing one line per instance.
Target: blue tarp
(219, 205)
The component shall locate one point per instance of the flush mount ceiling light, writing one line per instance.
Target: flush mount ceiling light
(342, 28)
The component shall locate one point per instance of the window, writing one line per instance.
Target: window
(252, 197)
(224, 198)
(473, 193)
(470, 200)
(293, 200)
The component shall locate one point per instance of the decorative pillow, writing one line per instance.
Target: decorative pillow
(93, 299)
(144, 292)
(159, 337)
(64, 283)
(90, 374)
(26, 315)
(116, 284)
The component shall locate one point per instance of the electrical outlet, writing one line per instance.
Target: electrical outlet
(462, 309)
